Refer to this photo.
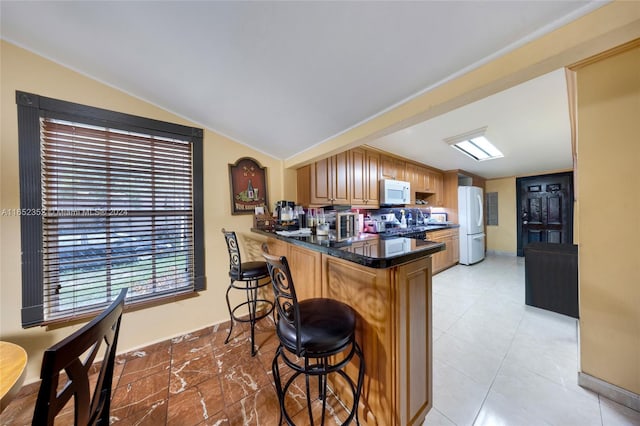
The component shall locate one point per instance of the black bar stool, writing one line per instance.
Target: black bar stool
(321, 331)
(252, 276)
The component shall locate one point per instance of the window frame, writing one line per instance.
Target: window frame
(31, 108)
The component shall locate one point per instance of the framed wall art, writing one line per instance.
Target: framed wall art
(248, 181)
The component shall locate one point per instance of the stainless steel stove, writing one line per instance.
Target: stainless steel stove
(415, 232)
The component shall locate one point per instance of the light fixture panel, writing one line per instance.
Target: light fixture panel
(475, 145)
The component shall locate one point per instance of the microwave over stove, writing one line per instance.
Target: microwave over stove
(394, 192)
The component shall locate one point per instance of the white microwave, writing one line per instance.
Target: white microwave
(394, 192)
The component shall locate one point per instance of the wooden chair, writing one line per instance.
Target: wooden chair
(75, 355)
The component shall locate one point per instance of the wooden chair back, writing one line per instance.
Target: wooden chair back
(75, 355)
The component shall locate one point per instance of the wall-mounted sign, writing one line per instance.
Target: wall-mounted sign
(248, 180)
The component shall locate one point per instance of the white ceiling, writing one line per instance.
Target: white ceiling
(529, 124)
(284, 76)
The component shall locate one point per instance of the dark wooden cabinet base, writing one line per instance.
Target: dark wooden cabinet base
(551, 277)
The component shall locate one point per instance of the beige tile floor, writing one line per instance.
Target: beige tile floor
(497, 362)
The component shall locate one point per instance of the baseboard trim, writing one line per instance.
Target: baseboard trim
(613, 392)
(501, 253)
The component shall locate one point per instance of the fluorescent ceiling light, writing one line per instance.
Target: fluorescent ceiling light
(475, 145)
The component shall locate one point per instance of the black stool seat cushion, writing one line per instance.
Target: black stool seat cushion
(325, 325)
(250, 271)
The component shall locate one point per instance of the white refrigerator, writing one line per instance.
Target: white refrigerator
(470, 215)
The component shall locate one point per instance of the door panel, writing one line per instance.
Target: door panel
(535, 209)
(554, 236)
(534, 236)
(554, 210)
(545, 205)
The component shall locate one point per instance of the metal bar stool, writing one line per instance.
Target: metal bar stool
(251, 276)
(321, 331)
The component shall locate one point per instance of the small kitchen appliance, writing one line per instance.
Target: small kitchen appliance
(394, 192)
(346, 225)
(374, 226)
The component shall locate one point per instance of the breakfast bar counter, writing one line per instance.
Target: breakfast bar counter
(368, 250)
(387, 281)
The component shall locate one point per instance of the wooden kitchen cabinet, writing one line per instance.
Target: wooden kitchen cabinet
(414, 176)
(352, 178)
(364, 178)
(451, 255)
(392, 168)
(426, 184)
(329, 178)
(436, 187)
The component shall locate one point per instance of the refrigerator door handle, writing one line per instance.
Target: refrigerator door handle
(480, 208)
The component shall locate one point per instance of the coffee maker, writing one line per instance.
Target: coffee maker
(285, 207)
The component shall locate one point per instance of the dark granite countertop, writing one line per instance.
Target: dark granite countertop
(368, 250)
(417, 229)
(434, 227)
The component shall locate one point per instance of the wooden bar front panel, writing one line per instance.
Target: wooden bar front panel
(368, 292)
(305, 267)
(394, 331)
(415, 337)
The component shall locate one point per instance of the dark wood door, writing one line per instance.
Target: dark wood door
(545, 209)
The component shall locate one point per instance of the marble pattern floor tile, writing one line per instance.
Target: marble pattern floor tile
(196, 404)
(497, 362)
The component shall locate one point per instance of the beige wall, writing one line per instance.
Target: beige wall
(608, 180)
(24, 71)
(503, 238)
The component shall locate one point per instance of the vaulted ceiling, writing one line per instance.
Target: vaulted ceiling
(284, 76)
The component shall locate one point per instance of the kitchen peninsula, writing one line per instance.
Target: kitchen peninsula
(387, 281)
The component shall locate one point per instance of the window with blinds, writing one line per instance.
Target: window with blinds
(117, 208)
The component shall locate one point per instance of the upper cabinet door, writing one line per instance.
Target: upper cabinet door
(392, 168)
(364, 178)
(330, 180)
(321, 182)
(358, 176)
(372, 166)
(341, 181)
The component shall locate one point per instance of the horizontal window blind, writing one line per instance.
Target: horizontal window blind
(117, 211)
